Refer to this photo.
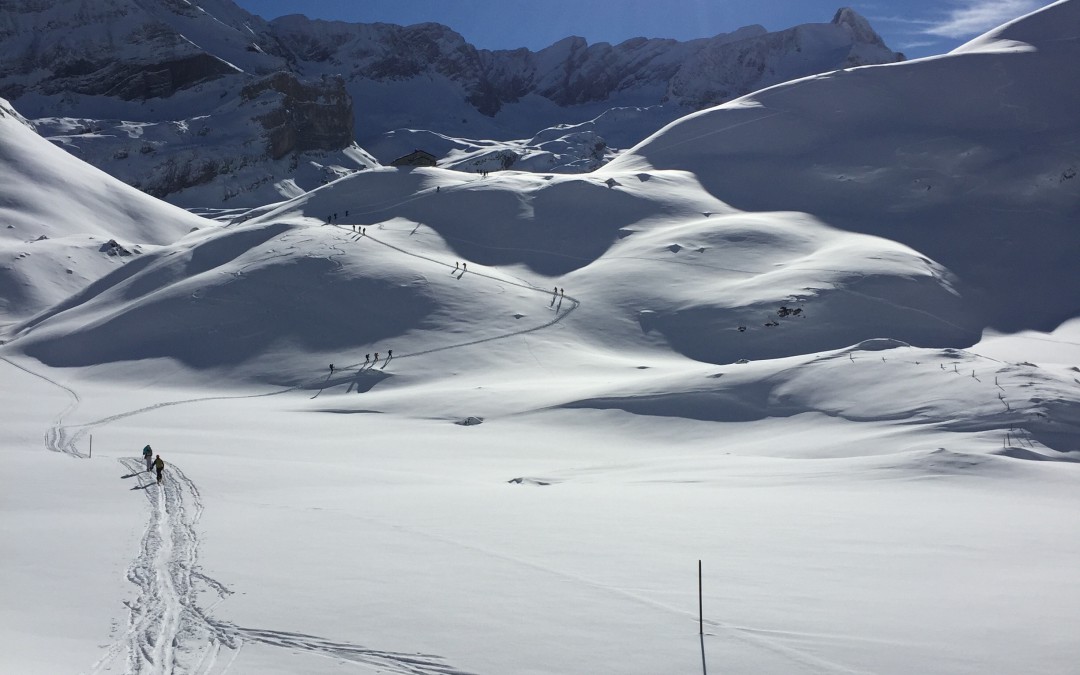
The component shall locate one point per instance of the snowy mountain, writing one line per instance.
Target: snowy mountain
(208, 106)
(979, 173)
(791, 387)
(517, 92)
(185, 101)
(65, 223)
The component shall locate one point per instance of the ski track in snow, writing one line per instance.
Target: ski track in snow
(56, 438)
(559, 315)
(168, 631)
(766, 639)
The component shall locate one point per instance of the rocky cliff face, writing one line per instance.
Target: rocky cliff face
(171, 95)
(307, 116)
(119, 48)
(571, 77)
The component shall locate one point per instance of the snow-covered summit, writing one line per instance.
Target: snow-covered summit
(859, 27)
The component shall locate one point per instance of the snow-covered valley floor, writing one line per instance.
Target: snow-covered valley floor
(325, 530)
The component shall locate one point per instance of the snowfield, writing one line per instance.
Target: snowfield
(757, 340)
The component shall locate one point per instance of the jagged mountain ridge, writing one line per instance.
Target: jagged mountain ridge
(571, 73)
(145, 88)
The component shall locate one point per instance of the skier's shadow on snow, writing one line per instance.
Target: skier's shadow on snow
(366, 379)
(140, 486)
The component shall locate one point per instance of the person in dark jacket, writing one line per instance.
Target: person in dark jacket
(159, 464)
(148, 455)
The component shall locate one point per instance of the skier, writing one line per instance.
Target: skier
(148, 455)
(331, 369)
(464, 266)
(376, 357)
(367, 357)
(159, 464)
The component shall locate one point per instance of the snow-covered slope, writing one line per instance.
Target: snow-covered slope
(970, 158)
(551, 396)
(58, 217)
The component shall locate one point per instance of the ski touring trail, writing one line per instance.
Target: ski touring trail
(170, 628)
(167, 631)
(56, 437)
(560, 314)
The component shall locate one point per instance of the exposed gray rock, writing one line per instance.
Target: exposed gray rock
(308, 115)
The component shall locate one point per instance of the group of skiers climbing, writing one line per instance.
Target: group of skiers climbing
(158, 464)
(367, 359)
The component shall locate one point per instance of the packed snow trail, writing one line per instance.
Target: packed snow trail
(559, 315)
(169, 633)
(56, 438)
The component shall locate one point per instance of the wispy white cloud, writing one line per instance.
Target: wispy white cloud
(918, 44)
(973, 17)
(903, 20)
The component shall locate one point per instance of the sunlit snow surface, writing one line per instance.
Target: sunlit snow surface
(753, 341)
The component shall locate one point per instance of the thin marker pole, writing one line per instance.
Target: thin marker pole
(701, 613)
(91, 445)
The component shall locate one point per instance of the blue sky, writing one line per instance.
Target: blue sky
(915, 27)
